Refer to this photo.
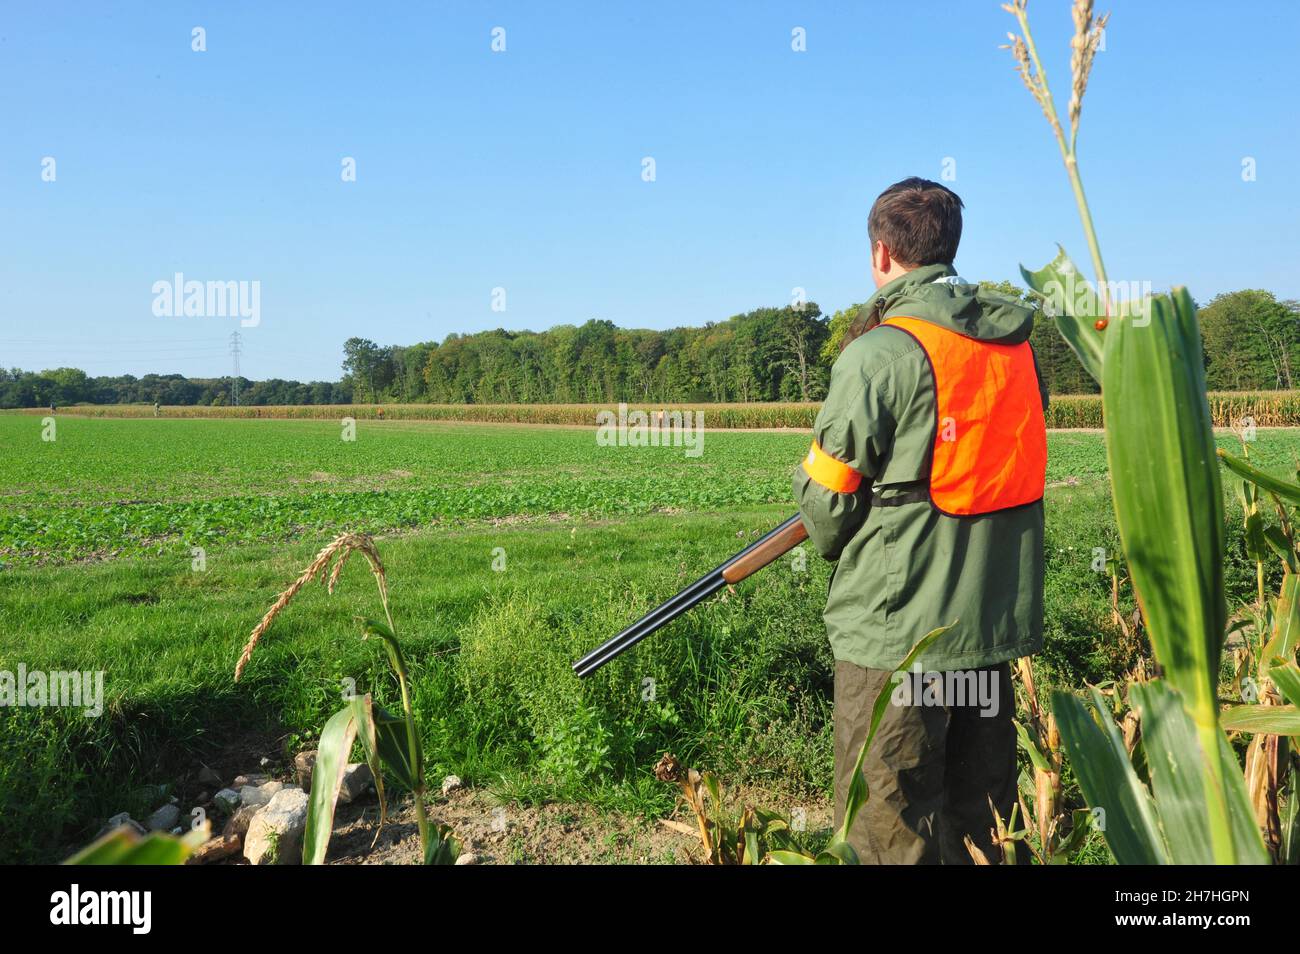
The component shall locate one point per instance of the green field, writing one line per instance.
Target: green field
(105, 486)
(96, 537)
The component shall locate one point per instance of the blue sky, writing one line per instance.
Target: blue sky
(522, 169)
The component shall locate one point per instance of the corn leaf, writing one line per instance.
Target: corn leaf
(1277, 541)
(392, 740)
(1271, 720)
(125, 846)
(1277, 485)
(1290, 821)
(1176, 764)
(1081, 822)
(1167, 493)
(785, 857)
(408, 766)
(1129, 822)
(1246, 839)
(444, 848)
(1286, 623)
(1256, 544)
(1245, 495)
(326, 779)
(837, 853)
(364, 713)
(1286, 676)
(1035, 754)
(1073, 305)
(373, 627)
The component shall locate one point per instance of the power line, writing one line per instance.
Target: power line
(234, 380)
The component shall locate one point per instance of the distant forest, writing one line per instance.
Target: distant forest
(1251, 341)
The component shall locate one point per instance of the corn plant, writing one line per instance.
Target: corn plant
(1266, 677)
(1146, 354)
(1059, 831)
(387, 740)
(1041, 824)
(730, 836)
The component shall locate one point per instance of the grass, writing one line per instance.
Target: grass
(741, 685)
(489, 654)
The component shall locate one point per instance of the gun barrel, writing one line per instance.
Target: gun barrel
(748, 561)
(657, 618)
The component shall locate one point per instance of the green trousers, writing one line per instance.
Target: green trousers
(945, 748)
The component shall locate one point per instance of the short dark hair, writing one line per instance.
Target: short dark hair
(918, 220)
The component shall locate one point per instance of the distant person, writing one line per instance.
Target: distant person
(157, 409)
(925, 482)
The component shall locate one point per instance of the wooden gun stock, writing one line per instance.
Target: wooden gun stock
(776, 544)
(744, 564)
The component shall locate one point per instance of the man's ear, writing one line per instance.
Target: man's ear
(880, 257)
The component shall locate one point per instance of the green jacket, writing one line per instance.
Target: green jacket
(907, 569)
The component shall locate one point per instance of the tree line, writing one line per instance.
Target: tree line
(61, 387)
(770, 354)
(1251, 342)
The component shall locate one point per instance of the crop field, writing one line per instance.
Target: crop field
(111, 486)
(1227, 409)
(148, 549)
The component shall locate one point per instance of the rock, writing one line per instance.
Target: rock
(451, 783)
(226, 800)
(123, 818)
(117, 821)
(356, 782)
(239, 822)
(164, 819)
(257, 795)
(303, 764)
(275, 833)
(215, 849)
(208, 777)
(467, 859)
(254, 778)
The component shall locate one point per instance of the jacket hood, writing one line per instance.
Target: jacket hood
(936, 294)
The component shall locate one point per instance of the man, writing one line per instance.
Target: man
(925, 482)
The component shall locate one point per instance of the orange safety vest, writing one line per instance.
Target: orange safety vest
(990, 440)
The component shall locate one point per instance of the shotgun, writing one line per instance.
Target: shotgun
(744, 564)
